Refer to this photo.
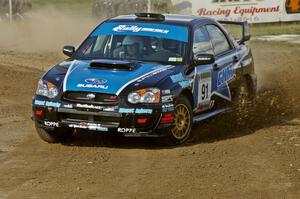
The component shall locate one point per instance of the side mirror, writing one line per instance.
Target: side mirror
(69, 50)
(203, 59)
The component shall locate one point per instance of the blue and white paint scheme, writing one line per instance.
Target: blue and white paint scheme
(115, 81)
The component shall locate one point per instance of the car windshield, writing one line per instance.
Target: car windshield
(136, 41)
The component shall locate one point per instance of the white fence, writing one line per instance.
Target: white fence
(254, 11)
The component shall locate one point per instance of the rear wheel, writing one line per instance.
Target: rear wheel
(55, 136)
(181, 129)
(243, 100)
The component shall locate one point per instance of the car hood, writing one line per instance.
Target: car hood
(112, 77)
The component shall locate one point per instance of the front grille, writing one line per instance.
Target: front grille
(111, 122)
(83, 97)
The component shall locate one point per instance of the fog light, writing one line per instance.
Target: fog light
(39, 112)
(142, 121)
(167, 118)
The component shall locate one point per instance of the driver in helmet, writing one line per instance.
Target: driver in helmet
(133, 47)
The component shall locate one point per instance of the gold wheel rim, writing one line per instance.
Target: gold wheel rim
(182, 122)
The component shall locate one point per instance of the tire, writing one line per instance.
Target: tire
(181, 129)
(55, 136)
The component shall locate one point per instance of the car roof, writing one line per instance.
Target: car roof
(172, 19)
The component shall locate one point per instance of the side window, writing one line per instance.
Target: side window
(219, 40)
(202, 43)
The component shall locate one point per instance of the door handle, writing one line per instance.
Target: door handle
(216, 67)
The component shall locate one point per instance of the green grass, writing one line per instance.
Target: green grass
(275, 29)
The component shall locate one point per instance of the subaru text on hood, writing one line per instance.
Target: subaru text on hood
(145, 75)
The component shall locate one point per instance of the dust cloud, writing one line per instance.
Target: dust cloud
(278, 72)
(45, 30)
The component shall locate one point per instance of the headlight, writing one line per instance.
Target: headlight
(150, 95)
(47, 89)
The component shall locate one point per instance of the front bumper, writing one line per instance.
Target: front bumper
(136, 121)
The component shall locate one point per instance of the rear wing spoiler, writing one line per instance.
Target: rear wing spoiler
(245, 27)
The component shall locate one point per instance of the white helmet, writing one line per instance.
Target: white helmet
(131, 40)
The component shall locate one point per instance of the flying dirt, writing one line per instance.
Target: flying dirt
(254, 154)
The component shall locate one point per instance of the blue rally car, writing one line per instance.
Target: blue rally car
(145, 75)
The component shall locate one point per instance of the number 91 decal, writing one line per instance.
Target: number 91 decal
(204, 92)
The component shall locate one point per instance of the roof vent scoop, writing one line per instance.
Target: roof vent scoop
(150, 17)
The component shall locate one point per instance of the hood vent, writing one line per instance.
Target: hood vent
(118, 65)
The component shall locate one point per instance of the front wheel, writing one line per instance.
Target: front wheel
(183, 116)
(55, 136)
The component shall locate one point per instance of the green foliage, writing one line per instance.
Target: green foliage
(275, 28)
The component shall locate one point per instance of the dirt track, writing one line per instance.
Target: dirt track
(257, 157)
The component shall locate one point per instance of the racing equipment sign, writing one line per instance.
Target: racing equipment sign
(253, 11)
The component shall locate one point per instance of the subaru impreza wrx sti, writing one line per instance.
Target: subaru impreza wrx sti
(145, 75)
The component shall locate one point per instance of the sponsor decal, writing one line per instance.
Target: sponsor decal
(143, 111)
(225, 75)
(168, 98)
(185, 84)
(143, 29)
(126, 110)
(38, 102)
(110, 109)
(126, 130)
(51, 124)
(68, 106)
(137, 111)
(53, 104)
(89, 106)
(177, 78)
(128, 28)
(166, 92)
(89, 126)
(44, 103)
(92, 86)
(95, 81)
(102, 108)
(175, 59)
(168, 108)
(220, 81)
(204, 90)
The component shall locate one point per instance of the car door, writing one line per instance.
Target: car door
(223, 71)
(203, 73)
